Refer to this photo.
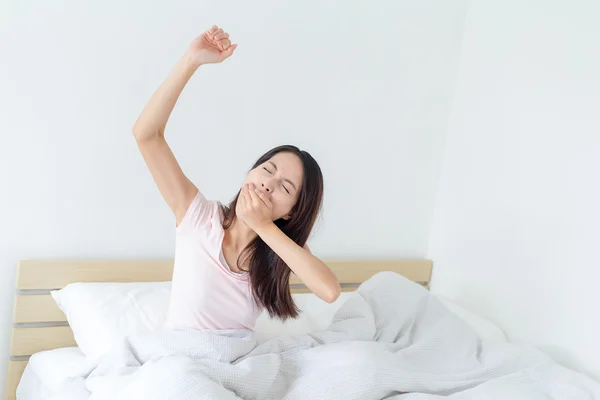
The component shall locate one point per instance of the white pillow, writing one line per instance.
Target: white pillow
(102, 314)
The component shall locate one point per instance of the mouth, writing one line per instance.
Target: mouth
(261, 191)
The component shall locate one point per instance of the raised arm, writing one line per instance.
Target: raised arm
(213, 46)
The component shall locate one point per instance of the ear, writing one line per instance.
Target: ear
(287, 217)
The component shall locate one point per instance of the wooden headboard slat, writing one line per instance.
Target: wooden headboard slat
(28, 341)
(36, 308)
(56, 274)
(15, 371)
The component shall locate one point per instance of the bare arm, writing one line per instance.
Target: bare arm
(313, 272)
(178, 191)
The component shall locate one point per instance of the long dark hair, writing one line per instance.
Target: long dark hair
(269, 274)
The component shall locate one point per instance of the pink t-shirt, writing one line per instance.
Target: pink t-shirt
(205, 293)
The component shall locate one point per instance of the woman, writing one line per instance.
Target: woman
(232, 262)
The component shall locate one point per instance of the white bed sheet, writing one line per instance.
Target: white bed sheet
(57, 374)
(320, 314)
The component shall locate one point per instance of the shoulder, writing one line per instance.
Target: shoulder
(201, 214)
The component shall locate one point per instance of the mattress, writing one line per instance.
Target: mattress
(59, 373)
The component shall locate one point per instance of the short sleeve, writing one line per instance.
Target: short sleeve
(197, 215)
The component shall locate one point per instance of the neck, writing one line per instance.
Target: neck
(238, 236)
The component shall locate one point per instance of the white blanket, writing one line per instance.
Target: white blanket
(390, 340)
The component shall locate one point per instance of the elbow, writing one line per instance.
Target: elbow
(137, 134)
(332, 293)
(141, 133)
(136, 130)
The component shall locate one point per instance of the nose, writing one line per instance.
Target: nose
(267, 186)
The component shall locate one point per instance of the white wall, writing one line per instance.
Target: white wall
(515, 233)
(365, 87)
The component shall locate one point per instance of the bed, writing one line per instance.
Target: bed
(46, 362)
(40, 326)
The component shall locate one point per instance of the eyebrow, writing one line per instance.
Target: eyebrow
(287, 180)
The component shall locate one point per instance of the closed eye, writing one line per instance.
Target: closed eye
(287, 180)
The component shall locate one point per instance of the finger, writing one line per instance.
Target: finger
(251, 193)
(263, 197)
(217, 37)
(247, 193)
(210, 32)
(227, 53)
(225, 43)
(221, 35)
(250, 201)
(216, 33)
(242, 196)
(258, 197)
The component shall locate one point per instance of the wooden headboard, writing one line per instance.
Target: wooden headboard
(38, 324)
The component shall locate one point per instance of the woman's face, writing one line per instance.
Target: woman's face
(280, 179)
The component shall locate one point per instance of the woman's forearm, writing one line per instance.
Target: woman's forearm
(313, 272)
(153, 119)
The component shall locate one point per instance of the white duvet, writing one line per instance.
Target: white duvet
(391, 340)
